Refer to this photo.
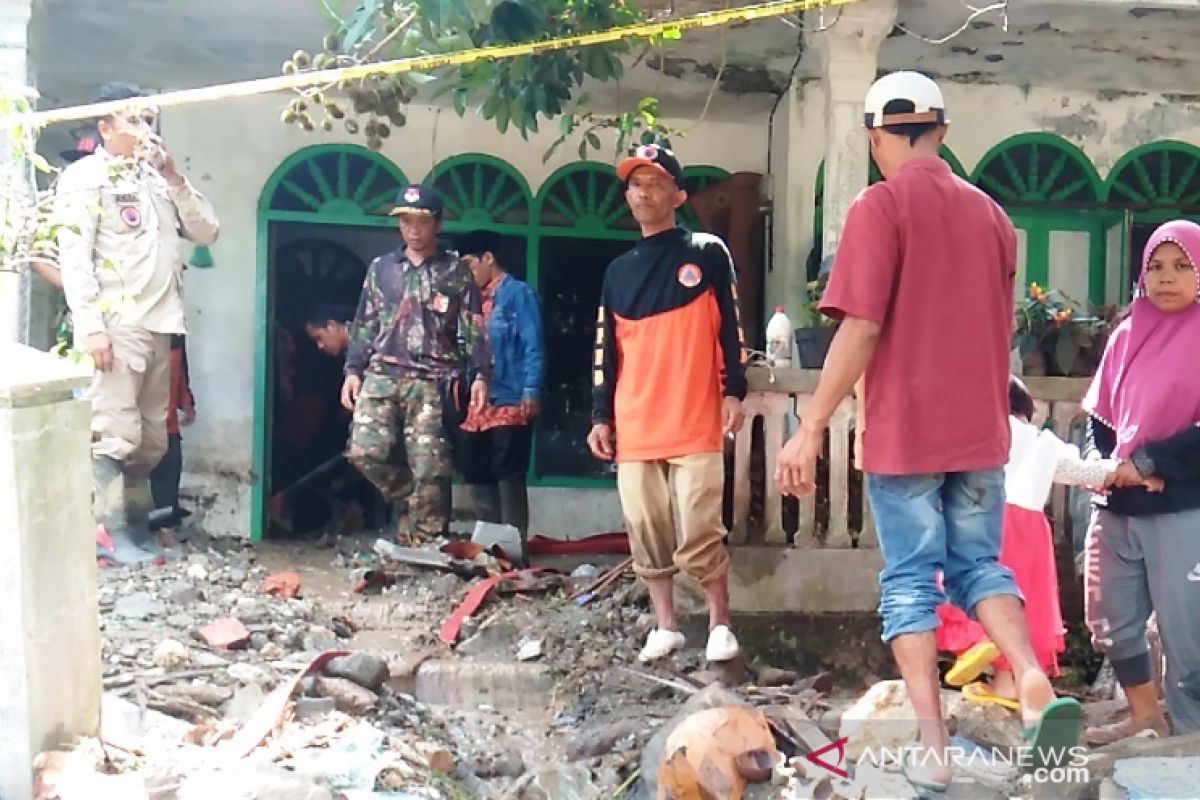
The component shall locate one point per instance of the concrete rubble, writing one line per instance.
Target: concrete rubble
(211, 692)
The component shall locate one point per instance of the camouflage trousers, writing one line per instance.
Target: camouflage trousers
(397, 441)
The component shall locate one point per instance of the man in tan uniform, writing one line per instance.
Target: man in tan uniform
(124, 211)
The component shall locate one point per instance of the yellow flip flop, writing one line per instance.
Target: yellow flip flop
(980, 693)
(971, 664)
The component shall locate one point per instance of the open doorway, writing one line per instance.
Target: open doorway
(310, 487)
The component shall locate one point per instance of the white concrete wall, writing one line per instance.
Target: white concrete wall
(1104, 125)
(230, 153)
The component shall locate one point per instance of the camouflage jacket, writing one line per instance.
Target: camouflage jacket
(419, 321)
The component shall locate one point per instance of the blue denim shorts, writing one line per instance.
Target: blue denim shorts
(948, 523)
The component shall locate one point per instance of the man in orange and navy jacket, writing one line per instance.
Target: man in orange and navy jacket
(668, 381)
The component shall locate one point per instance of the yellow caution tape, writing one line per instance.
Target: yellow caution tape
(228, 91)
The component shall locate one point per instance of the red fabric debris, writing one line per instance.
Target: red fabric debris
(593, 545)
(282, 584)
(225, 634)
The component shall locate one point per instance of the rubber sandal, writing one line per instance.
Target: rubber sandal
(971, 664)
(923, 786)
(980, 693)
(1056, 733)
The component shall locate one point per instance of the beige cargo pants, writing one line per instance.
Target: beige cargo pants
(129, 402)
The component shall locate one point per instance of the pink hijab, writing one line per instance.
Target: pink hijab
(1148, 386)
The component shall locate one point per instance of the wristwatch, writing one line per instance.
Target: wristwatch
(1143, 463)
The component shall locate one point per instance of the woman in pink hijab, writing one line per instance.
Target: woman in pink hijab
(1143, 548)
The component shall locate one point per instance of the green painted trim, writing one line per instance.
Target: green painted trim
(1130, 160)
(264, 358)
(201, 257)
(478, 200)
(304, 158)
(567, 482)
(589, 224)
(1030, 196)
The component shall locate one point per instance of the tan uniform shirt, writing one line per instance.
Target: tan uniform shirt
(120, 244)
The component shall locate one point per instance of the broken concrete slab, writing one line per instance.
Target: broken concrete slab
(503, 686)
(308, 708)
(251, 782)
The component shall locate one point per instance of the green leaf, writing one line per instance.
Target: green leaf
(40, 162)
(593, 140)
(648, 137)
(553, 147)
(566, 124)
(583, 149)
(362, 21)
(489, 107)
(502, 116)
(460, 101)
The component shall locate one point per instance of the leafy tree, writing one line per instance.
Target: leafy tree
(514, 93)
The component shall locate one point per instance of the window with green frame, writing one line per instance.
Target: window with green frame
(1153, 183)
(1052, 194)
(583, 224)
(482, 192)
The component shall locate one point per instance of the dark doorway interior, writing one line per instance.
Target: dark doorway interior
(310, 486)
(572, 272)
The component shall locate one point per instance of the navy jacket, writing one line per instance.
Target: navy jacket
(518, 345)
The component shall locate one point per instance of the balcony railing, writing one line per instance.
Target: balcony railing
(838, 515)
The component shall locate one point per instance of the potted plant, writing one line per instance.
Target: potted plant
(1056, 337)
(816, 334)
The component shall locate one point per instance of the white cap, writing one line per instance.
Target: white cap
(921, 91)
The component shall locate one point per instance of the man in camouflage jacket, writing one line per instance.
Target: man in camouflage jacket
(419, 322)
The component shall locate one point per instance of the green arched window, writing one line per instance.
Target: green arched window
(1052, 194)
(481, 191)
(1157, 175)
(1149, 185)
(587, 198)
(583, 223)
(484, 192)
(695, 180)
(333, 181)
(1038, 169)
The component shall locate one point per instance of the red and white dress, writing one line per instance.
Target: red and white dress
(1037, 460)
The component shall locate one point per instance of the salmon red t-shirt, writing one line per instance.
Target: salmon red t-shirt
(932, 260)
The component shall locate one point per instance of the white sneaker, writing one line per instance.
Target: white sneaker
(722, 645)
(661, 643)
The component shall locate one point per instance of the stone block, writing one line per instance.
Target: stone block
(470, 684)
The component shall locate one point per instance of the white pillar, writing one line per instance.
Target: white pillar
(14, 75)
(49, 615)
(849, 54)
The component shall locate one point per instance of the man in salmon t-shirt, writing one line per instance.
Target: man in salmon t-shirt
(667, 382)
(923, 286)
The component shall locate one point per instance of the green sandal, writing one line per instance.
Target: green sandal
(1056, 733)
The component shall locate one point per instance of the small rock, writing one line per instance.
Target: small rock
(446, 586)
(884, 718)
(250, 674)
(184, 595)
(130, 650)
(237, 576)
(585, 571)
(138, 605)
(272, 652)
(562, 782)
(349, 696)
(530, 649)
(313, 707)
(363, 668)
(505, 765)
(260, 781)
(601, 741)
(250, 611)
(259, 640)
(204, 693)
(246, 701)
(180, 620)
(772, 677)
(170, 654)
(197, 573)
(203, 658)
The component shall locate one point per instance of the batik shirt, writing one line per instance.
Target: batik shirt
(419, 321)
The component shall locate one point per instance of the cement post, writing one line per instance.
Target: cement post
(849, 54)
(14, 76)
(50, 651)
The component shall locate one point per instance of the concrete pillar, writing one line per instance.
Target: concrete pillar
(50, 648)
(14, 77)
(849, 55)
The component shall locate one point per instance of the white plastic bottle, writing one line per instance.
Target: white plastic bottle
(779, 338)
